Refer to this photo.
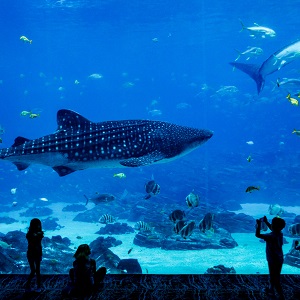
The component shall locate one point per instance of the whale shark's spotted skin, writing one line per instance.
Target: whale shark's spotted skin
(79, 144)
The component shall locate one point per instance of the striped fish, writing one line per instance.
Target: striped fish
(152, 189)
(142, 226)
(187, 230)
(106, 218)
(206, 224)
(177, 215)
(178, 226)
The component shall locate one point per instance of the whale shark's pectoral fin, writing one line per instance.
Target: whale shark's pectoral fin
(21, 166)
(143, 160)
(63, 170)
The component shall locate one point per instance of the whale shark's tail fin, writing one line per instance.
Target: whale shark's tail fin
(253, 71)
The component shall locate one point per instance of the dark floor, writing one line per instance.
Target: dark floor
(156, 287)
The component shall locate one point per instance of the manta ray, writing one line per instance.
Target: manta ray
(79, 144)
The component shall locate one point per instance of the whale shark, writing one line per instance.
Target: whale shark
(275, 62)
(79, 144)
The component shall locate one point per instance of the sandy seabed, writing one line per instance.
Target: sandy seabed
(247, 258)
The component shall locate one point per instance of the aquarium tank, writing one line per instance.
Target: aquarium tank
(157, 132)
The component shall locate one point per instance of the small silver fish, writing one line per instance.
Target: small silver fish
(250, 52)
(291, 85)
(43, 199)
(95, 76)
(13, 191)
(258, 30)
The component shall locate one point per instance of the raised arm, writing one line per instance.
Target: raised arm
(258, 228)
(267, 222)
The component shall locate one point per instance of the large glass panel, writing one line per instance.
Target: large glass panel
(102, 104)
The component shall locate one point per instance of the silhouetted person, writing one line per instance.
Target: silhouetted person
(34, 237)
(274, 242)
(84, 277)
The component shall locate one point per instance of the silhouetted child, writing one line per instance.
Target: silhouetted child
(34, 237)
(84, 277)
(274, 242)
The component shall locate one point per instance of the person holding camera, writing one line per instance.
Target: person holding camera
(274, 253)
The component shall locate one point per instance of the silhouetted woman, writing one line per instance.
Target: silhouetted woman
(84, 276)
(34, 237)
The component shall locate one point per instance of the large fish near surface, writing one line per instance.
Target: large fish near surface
(80, 144)
(275, 62)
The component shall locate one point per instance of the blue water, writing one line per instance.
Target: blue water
(172, 52)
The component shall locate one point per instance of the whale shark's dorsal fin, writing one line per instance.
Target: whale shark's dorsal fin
(19, 141)
(68, 118)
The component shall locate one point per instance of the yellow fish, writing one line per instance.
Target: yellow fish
(120, 175)
(25, 113)
(33, 116)
(25, 39)
(292, 100)
(297, 132)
